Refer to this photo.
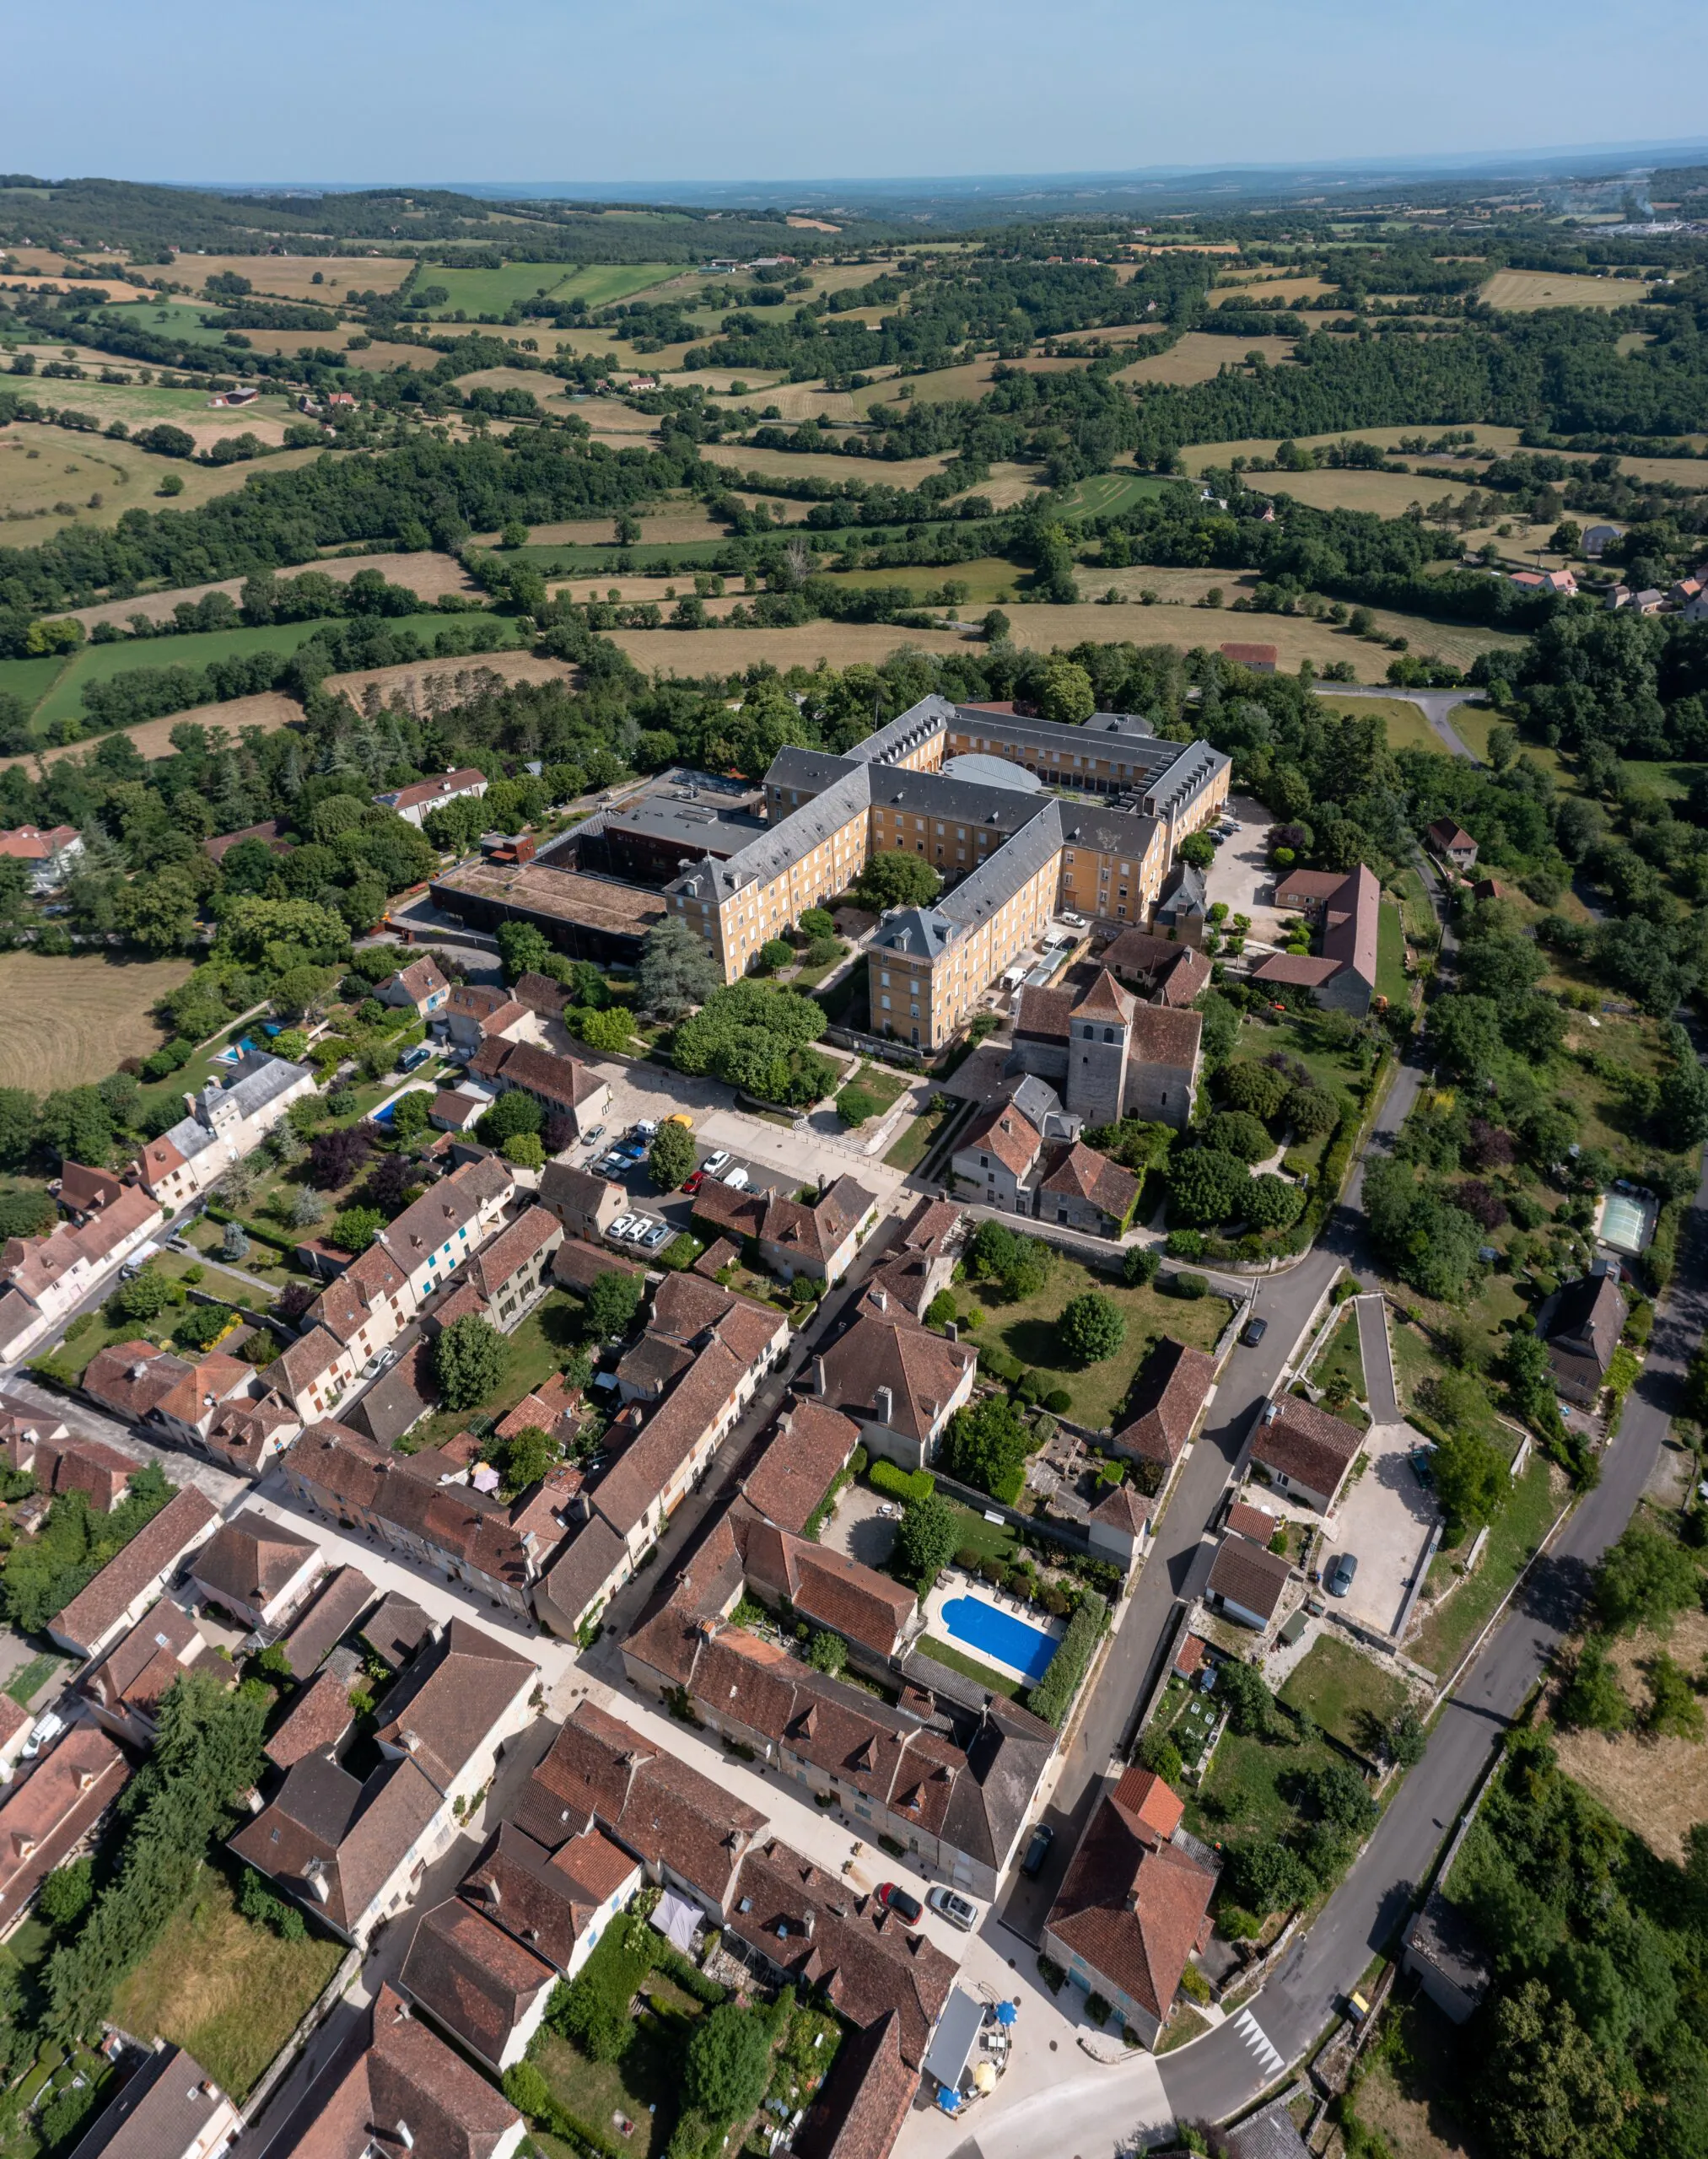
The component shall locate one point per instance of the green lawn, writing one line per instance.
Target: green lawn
(1299, 1035)
(100, 663)
(1417, 914)
(227, 1989)
(1512, 1539)
(1344, 1358)
(1674, 782)
(990, 1540)
(939, 1652)
(541, 1345)
(1247, 1792)
(32, 678)
(183, 319)
(920, 1134)
(645, 2088)
(29, 1678)
(1344, 1691)
(1391, 979)
(1028, 1330)
(882, 1083)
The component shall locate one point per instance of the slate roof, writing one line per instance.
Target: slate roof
(1588, 1317)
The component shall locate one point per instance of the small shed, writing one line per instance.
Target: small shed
(955, 2036)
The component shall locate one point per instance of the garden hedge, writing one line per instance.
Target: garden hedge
(1054, 1695)
(901, 1483)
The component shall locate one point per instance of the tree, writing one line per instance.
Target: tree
(1256, 1088)
(1206, 1187)
(335, 1156)
(514, 1111)
(523, 1149)
(988, 1444)
(1091, 1327)
(354, 1229)
(1248, 1701)
(1644, 1581)
(828, 1653)
(1312, 1111)
(1273, 1204)
(1593, 1699)
(1681, 1104)
(469, 1361)
(728, 2062)
(1547, 2092)
(1022, 1265)
(1236, 1132)
(926, 1540)
(1138, 1265)
(1673, 1711)
(411, 1114)
(676, 972)
(1067, 697)
(672, 1157)
(1465, 1034)
(1341, 1797)
(774, 953)
(145, 1296)
(68, 1894)
(855, 1106)
(612, 1301)
(1265, 1876)
(1197, 849)
(522, 950)
(607, 1030)
(1471, 1479)
(1405, 1739)
(893, 880)
(525, 1457)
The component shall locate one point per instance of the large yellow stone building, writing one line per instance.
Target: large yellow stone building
(965, 789)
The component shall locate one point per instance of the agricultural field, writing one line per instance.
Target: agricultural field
(408, 675)
(1107, 494)
(69, 1021)
(293, 277)
(1240, 287)
(426, 573)
(1520, 290)
(100, 663)
(1383, 494)
(1652, 1783)
(819, 465)
(152, 737)
(52, 488)
(1200, 356)
(494, 292)
(172, 318)
(1498, 441)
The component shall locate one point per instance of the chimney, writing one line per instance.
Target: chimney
(811, 1920)
(953, 1331)
(405, 2136)
(880, 1299)
(819, 1382)
(884, 1403)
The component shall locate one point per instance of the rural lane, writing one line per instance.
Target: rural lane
(1435, 705)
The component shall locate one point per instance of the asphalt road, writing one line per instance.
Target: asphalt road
(1435, 705)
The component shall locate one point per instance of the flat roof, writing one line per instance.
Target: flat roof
(957, 2031)
(564, 895)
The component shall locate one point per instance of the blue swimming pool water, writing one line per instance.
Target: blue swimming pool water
(1000, 1634)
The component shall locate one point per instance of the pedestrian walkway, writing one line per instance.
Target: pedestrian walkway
(1379, 1389)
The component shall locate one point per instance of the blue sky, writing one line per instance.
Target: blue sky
(658, 90)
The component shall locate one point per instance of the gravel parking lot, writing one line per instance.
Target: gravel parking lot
(1385, 1519)
(1241, 876)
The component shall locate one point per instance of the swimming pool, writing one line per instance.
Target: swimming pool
(1023, 1648)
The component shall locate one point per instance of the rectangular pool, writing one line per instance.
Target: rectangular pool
(1023, 1648)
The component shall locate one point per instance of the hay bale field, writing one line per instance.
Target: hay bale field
(69, 1021)
(1520, 290)
(1200, 356)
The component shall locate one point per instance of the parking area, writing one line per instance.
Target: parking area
(863, 1526)
(1241, 876)
(1384, 1521)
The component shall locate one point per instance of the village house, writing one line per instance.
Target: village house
(419, 988)
(690, 1833)
(355, 1852)
(50, 855)
(795, 1237)
(124, 1589)
(125, 1690)
(1119, 1525)
(997, 1157)
(586, 1205)
(1159, 969)
(228, 1119)
(169, 2109)
(340, 1599)
(1169, 1396)
(467, 1013)
(922, 1257)
(1453, 844)
(34, 1441)
(511, 1274)
(44, 1279)
(256, 1570)
(458, 1109)
(1134, 1904)
(407, 2092)
(1086, 1191)
(563, 1086)
(1580, 1326)
(47, 1818)
(898, 1381)
(811, 1446)
(1306, 1452)
(1343, 974)
(480, 1984)
(558, 1901)
(1247, 1582)
(416, 803)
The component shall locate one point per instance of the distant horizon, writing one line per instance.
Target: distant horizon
(751, 98)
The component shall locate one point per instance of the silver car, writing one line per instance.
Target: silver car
(955, 1909)
(655, 1236)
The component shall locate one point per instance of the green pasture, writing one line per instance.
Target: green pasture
(61, 698)
(1106, 494)
(494, 292)
(182, 319)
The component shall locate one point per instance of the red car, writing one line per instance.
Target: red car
(894, 1898)
(691, 1185)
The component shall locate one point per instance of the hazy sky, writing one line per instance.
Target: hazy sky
(657, 90)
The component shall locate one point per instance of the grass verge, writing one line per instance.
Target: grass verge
(982, 1675)
(1512, 1539)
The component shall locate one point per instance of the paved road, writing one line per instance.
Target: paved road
(1435, 705)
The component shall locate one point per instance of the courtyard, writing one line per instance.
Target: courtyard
(1385, 1519)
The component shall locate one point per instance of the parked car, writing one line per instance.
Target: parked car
(639, 1227)
(597, 1133)
(715, 1162)
(48, 1727)
(1340, 1574)
(620, 1227)
(655, 1236)
(691, 1184)
(955, 1909)
(736, 1180)
(1038, 1851)
(1253, 1332)
(894, 1898)
(646, 1129)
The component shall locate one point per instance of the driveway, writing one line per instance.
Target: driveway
(1435, 705)
(1384, 1521)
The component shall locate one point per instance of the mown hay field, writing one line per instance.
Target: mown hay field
(292, 277)
(152, 737)
(69, 468)
(820, 465)
(69, 1021)
(1518, 290)
(1386, 494)
(1200, 356)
